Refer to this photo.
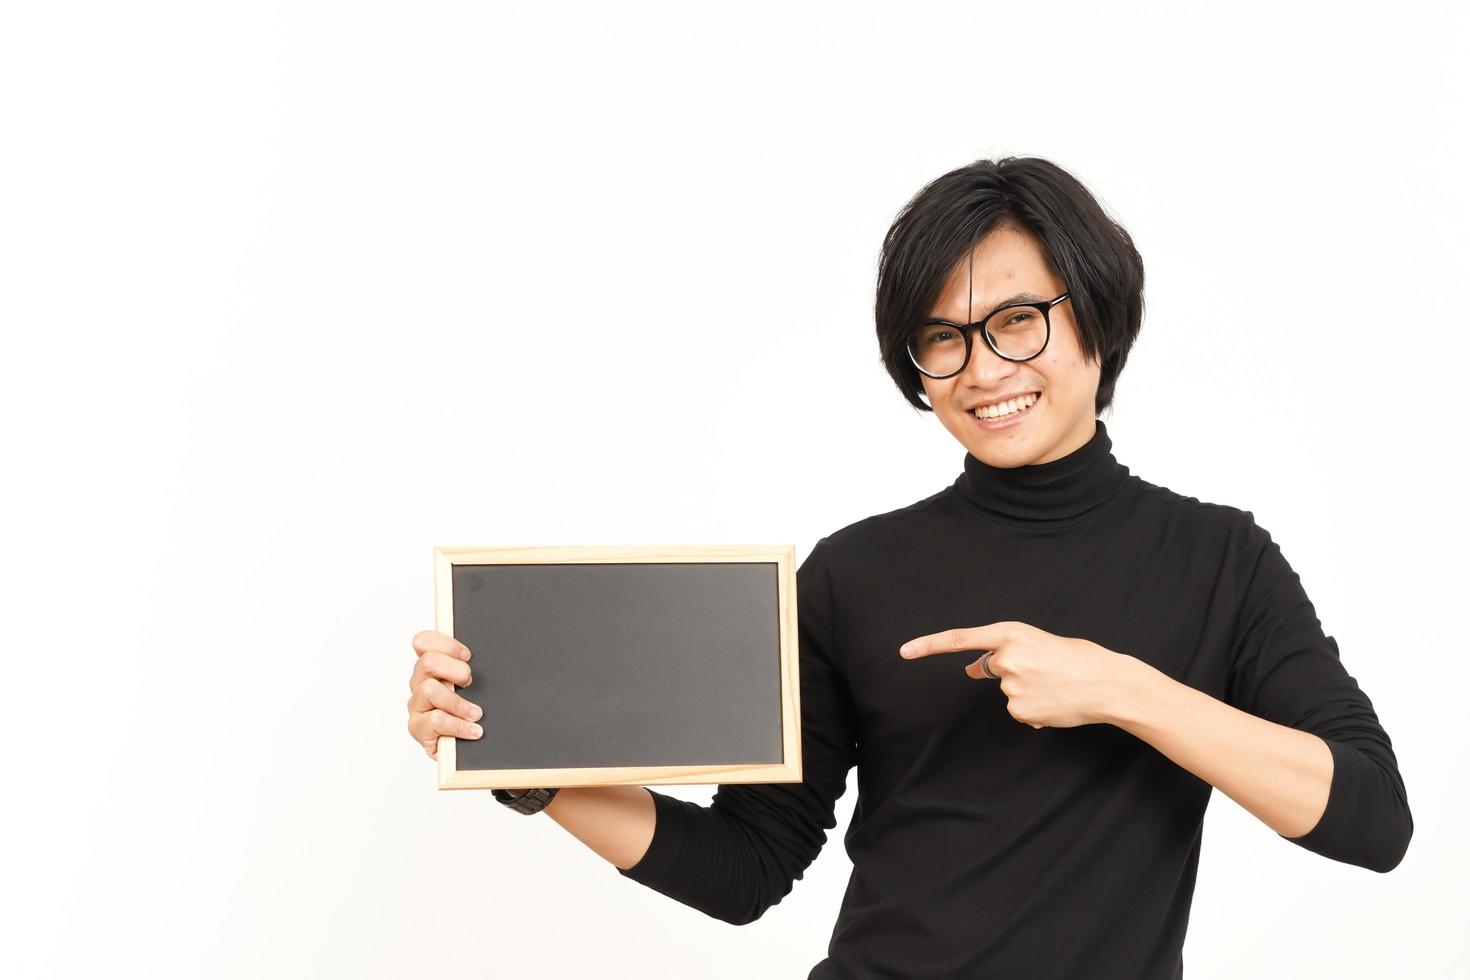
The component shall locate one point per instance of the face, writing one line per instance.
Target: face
(1006, 262)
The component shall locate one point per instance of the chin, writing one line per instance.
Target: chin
(1018, 447)
(1004, 453)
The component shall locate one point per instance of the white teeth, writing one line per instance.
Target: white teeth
(1006, 408)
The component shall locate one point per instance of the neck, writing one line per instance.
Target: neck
(1061, 489)
(1075, 440)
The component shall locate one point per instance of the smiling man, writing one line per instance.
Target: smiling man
(1036, 811)
(1031, 808)
(1031, 397)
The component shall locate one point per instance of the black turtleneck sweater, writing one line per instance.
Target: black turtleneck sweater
(982, 846)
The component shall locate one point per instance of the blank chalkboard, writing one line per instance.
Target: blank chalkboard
(613, 665)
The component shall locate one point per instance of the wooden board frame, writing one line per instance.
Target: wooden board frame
(786, 771)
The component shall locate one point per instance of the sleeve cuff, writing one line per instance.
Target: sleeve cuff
(670, 822)
(1335, 827)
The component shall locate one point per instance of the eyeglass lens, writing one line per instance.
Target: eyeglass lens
(1017, 331)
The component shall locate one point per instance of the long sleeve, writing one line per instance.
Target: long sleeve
(740, 855)
(1285, 669)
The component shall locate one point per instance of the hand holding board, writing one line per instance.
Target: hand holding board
(602, 666)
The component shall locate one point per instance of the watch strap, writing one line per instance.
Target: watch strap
(526, 801)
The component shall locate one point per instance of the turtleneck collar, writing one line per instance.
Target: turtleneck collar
(1046, 493)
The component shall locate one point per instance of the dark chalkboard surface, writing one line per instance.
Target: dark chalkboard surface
(599, 666)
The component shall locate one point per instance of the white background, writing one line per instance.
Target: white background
(294, 292)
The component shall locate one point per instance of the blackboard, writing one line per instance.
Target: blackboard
(623, 665)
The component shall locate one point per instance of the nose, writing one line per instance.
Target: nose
(986, 368)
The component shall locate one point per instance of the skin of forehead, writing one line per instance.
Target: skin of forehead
(998, 258)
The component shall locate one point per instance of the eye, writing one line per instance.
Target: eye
(935, 335)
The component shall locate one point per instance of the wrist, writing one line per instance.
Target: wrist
(1134, 684)
(526, 801)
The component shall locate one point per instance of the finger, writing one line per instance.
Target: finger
(441, 722)
(442, 666)
(425, 641)
(423, 732)
(427, 726)
(429, 743)
(951, 641)
(434, 693)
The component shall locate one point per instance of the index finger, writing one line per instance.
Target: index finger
(951, 641)
(426, 641)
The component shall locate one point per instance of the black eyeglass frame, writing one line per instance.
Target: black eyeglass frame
(968, 329)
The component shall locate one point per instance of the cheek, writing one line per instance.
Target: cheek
(1065, 364)
(1066, 348)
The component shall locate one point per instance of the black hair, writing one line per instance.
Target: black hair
(1090, 252)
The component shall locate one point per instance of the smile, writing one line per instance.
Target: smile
(1019, 409)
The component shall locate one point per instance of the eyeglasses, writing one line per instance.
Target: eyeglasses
(1018, 332)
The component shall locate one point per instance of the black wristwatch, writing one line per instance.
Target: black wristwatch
(525, 800)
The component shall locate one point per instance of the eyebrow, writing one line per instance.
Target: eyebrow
(1016, 298)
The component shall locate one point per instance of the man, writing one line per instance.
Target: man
(1125, 649)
